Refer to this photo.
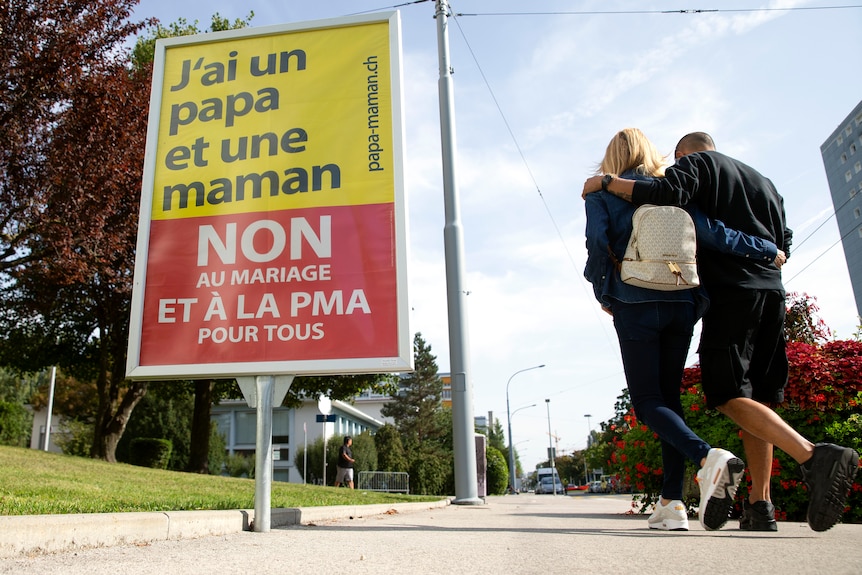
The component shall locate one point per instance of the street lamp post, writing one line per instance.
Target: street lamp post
(551, 453)
(512, 447)
(509, 417)
(589, 432)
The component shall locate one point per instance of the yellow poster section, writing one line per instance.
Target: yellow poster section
(313, 128)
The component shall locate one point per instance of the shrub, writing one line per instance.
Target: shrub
(76, 438)
(498, 472)
(150, 452)
(15, 424)
(238, 465)
(823, 402)
(218, 446)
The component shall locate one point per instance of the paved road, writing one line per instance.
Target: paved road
(514, 534)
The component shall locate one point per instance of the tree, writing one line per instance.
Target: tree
(390, 450)
(801, 322)
(424, 425)
(417, 399)
(163, 413)
(48, 51)
(74, 214)
(15, 424)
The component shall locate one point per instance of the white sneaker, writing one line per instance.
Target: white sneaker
(718, 480)
(670, 517)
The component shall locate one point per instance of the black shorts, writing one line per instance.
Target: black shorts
(742, 347)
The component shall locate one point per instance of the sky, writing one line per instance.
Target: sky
(540, 87)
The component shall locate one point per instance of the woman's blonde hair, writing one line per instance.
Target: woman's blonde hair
(629, 149)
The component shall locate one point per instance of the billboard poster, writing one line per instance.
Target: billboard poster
(272, 232)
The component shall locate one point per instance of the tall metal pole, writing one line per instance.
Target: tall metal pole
(551, 453)
(50, 408)
(305, 453)
(589, 431)
(265, 388)
(509, 418)
(466, 482)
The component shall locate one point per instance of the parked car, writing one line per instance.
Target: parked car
(548, 485)
(596, 487)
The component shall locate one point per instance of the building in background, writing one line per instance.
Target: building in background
(292, 429)
(842, 158)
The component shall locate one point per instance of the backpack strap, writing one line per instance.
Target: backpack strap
(617, 263)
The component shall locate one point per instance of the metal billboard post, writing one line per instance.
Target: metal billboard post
(263, 392)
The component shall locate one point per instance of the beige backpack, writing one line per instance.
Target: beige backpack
(662, 249)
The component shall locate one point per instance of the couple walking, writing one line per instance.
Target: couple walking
(743, 241)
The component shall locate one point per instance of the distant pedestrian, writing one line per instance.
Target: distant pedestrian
(345, 463)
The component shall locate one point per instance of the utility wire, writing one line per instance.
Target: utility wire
(820, 256)
(515, 141)
(455, 15)
(823, 223)
(682, 11)
(526, 164)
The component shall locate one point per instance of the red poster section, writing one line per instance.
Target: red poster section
(306, 284)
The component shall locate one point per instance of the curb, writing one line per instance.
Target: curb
(37, 534)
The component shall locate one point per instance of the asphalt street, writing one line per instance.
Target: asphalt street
(526, 533)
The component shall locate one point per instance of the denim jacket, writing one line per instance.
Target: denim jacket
(609, 225)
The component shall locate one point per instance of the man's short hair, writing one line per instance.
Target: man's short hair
(346, 439)
(695, 142)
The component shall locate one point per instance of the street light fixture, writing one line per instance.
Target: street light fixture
(509, 417)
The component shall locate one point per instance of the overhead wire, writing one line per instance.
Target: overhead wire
(680, 11)
(610, 12)
(527, 167)
(812, 262)
(455, 15)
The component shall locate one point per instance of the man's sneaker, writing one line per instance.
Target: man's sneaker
(718, 479)
(829, 475)
(758, 516)
(670, 517)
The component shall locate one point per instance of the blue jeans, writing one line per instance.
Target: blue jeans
(654, 340)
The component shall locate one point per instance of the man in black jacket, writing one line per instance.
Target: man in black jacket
(742, 349)
(344, 467)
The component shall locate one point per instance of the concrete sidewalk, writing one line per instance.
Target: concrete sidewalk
(512, 534)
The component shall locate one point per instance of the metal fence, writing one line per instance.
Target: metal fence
(389, 481)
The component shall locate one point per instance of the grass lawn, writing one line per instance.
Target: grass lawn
(34, 482)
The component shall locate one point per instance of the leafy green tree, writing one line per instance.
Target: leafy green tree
(164, 413)
(15, 424)
(418, 398)
(496, 436)
(423, 423)
(314, 456)
(390, 450)
(145, 48)
(364, 452)
(19, 387)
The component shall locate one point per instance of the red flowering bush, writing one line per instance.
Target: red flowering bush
(823, 402)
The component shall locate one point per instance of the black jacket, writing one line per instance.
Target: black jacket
(728, 190)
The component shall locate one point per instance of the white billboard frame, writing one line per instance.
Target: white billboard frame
(403, 360)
